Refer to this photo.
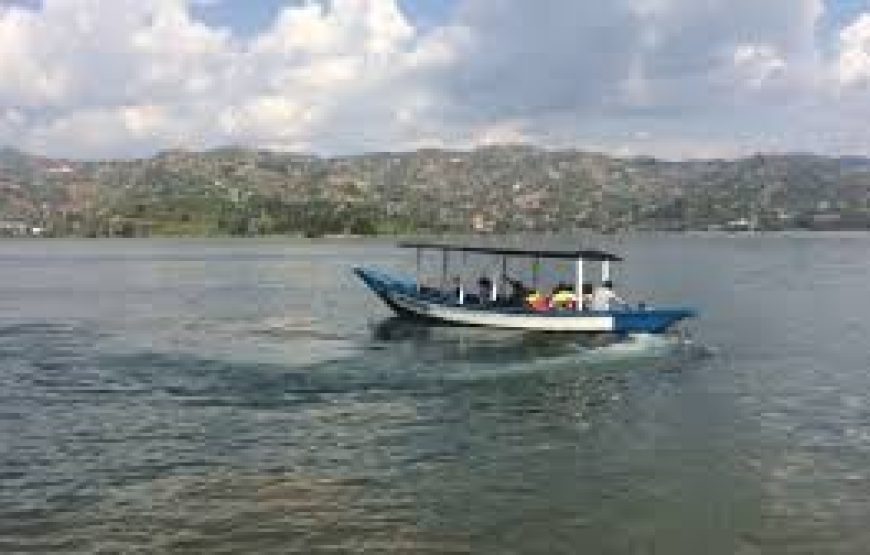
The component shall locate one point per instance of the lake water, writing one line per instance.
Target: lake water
(249, 396)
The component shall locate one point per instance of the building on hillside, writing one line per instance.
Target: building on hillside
(480, 224)
(14, 228)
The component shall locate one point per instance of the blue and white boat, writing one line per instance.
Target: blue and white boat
(452, 305)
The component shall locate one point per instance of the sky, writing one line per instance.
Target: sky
(670, 78)
(247, 17)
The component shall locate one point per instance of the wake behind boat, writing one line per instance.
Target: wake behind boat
(581, 308)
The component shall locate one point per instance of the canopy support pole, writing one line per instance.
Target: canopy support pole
(444, 264)
(605, 271)
(419, 267)
(536, 266)
(578, 290)
(493, 290)
(504, 268)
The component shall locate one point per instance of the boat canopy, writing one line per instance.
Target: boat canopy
(583, 254)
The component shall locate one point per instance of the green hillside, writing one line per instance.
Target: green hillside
(507, 188)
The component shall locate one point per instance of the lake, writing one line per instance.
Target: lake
(251, 396)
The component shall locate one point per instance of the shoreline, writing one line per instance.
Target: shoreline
(483, 238)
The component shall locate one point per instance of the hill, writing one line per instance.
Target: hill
(234, 191)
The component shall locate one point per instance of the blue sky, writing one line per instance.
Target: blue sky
(671, 78)
(247, 17)
(841, 11)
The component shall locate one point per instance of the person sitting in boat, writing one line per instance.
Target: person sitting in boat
(536, 301)
(563, 297)
(586, 296)
(519, 292)
(603, 298)
(484, 287)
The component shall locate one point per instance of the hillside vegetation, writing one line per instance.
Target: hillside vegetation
(493, 189)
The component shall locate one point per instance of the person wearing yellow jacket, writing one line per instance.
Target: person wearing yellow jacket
(563, 297)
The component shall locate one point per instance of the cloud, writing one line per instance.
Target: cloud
(759, 62)
(95, 78)
(671, 77)
(854, 62)
(582, 72)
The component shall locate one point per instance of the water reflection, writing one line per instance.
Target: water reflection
(230, 512)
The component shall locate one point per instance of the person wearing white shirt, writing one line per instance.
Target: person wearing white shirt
(603, 297)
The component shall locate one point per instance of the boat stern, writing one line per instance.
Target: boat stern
(650, 321)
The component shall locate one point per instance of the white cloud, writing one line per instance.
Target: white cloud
(676, 77)
(854, 63)
(100, 78)
(759, 63)
(365, 26)
(75, 54)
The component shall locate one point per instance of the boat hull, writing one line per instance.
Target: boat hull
(403, 297)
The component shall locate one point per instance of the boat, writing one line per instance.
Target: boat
(450, 303)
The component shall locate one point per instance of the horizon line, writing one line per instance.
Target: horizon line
(447, 150)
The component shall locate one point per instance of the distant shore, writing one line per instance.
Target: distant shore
(470, 238)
